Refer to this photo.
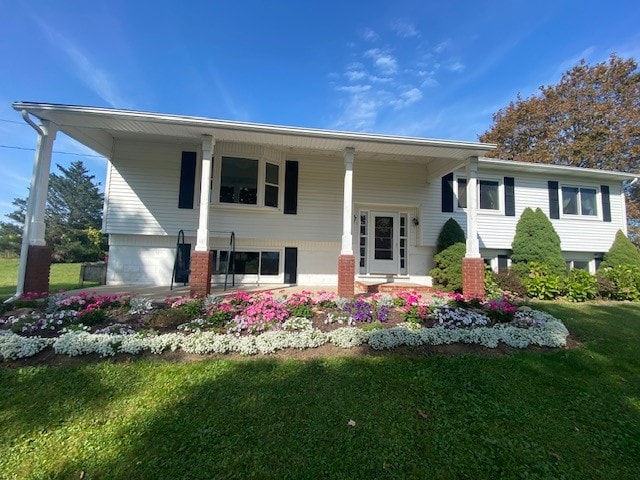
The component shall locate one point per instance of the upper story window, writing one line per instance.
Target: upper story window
(489, 192)
(579, 201)
(246, 181)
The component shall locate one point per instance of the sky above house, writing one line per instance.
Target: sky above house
(433, 69)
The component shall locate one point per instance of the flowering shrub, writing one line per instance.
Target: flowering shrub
(85, 303)
(500, 309)
(359, 310)
(324, 299)
(416, 313)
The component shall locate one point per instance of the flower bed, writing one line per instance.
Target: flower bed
(265, 323)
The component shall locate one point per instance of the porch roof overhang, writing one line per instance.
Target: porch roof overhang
(98, 127)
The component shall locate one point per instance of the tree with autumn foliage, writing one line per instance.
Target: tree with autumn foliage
(591, 118)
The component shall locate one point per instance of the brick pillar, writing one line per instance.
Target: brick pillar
(473, 277)
(36, 277)
(346, 276)
(200, 275)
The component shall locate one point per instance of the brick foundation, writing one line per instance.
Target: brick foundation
(473, 277)
(346, 276)
(200, 275)
(36, 278)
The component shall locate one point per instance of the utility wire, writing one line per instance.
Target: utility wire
(60, 153)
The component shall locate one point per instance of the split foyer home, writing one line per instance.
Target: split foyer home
(282, 205)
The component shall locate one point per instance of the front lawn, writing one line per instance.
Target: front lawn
(526, 414)
(64, 276)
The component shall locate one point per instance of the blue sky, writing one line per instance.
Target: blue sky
(422, 68)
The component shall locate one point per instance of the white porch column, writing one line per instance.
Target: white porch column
(202, 236)
(473, 245)
(347, 206)
(40, 184)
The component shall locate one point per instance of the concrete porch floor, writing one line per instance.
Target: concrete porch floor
(159, 293)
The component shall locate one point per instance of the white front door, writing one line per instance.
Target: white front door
(383, 243)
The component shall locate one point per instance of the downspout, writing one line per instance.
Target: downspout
(31, 202)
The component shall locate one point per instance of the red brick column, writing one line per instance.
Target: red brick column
(36, 278)
(346, 276)
(200, 275)
(473, 277)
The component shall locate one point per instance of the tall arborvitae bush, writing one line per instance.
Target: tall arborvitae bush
(450, 234)
(622, 252)
(536, 241)
(447, 274)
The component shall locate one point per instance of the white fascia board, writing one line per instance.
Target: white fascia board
(542, 168)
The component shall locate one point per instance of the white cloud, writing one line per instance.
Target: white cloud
(404, 29)
(385, 62)
(456, 66)
(86, 70)
(353, 88)
(442, 46)
(408, 97)
(355, 75)
(369, 34)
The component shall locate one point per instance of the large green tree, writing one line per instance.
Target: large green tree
(73, 217)
(591, 118)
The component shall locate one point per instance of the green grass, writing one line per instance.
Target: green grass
(64, 276)
(566, 414)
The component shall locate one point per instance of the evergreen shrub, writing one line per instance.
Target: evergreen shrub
(622, 252)
(450, 234)
(447, 274)
(536, 241)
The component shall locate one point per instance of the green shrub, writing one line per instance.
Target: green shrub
(447, 273)
(510, 282)
(541, 283)
(450, 234)
(93, 317)
(491, 287)
(622, 252)
(536, 240)
(626, 279)
(193, 308)
(580, 286)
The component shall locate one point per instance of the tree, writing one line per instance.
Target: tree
(448, 270)
(622, 252)
(73, 216)
(536, 241)
(450, 234)
(591, 118)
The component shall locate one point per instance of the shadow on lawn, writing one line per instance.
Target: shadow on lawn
(438, 417)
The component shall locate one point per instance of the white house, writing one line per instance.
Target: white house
(306, 206)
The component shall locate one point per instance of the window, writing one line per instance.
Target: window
(489, 191)
(462, 193)
(272, 178)
(579, 201)
(248, 263)
(246, 181)
(239, 180)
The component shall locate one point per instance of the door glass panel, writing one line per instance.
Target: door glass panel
(383, 245)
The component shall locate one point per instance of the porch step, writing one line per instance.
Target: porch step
(392, 287)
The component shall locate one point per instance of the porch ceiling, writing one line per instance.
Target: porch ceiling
(98, 127)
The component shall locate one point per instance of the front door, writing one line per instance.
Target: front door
(383, 246)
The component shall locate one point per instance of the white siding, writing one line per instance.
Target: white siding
(496, 230)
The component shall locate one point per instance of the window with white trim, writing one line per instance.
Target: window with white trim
(246, 181)
(247, 263)
(580, 201)
(489, 195)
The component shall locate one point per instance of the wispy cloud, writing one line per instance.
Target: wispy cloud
(85, 69)
(404, 29)
(455, 66)
(369, 35)
(383, 61)
(408, 97)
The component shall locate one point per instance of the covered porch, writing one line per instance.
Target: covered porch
(102, 129)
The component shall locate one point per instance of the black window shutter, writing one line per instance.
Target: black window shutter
(554, 204)
(509, 197)
(290, 265)
(447, 193)
(606, 203)
(187, 180)
(291, 188)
